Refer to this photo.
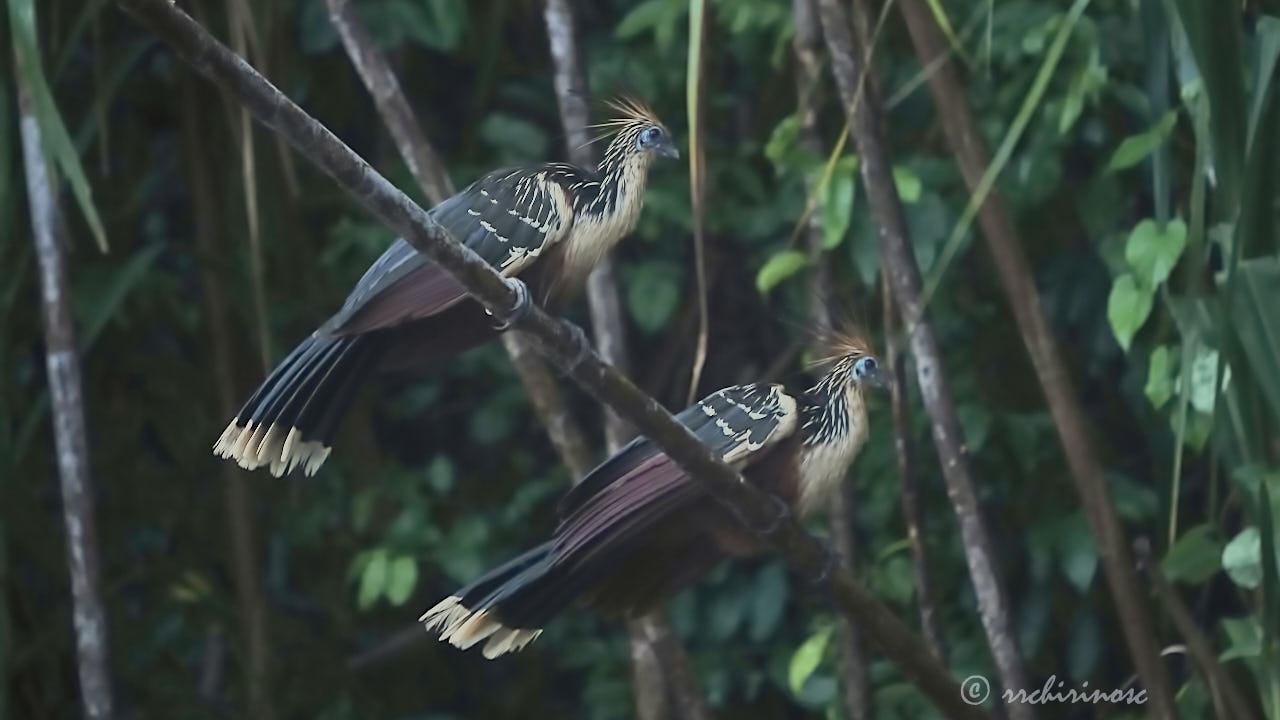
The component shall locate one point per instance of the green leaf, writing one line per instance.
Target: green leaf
(1079, 552)
(1245, 638)
(402, 576)
(1195, 557)
(1159, 387)
(807, 657)
(653, 292)
(908, 184)
(373, 580)
(105, 303)
(768, 600)
(1204, 379)
(1084, 649)
(441, 474)
(1128, 306)
(778, 268)
(1242, 558)
(53, 133)
(1135, 148)
(837, 201)
(1153, 253)
(1257, 325)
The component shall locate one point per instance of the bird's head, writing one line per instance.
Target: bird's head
(639, 136)
(851, 364)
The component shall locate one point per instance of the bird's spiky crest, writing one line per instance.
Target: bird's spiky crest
(630, 110)
(842, 341)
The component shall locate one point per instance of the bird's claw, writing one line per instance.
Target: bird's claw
(581, 345)
(519, 308)
(781, 515)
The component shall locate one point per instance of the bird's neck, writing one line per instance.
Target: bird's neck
(833, 430)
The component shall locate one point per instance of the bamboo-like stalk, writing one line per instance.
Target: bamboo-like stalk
(62, 365)
(560, 341)
(862, 106)
(662, 677)
(244, 564)
(807, 46)
(1002, 239)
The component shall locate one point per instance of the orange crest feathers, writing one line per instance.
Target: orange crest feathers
(630, 109)
(839, 343)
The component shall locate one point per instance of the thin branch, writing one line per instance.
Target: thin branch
(808, 51)
(662, 674)
(239, 509)
(909, 479)
(560, 340)
(900, 269)
(958, 125)
(698, 181)
(62, 364)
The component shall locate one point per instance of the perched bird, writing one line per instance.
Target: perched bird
(548, 224)
(637, 530)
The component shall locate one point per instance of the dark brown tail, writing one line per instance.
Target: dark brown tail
(290, 420)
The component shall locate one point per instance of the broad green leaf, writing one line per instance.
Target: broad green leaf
(1153, 253)
(53, 133)
(1245, 638)
(1204, 379)
(1195, 557)
(653, 291)
(402, 576)
(909, 186)
(1159, 387)
(373, 580)
(807, 657)
(837, 203)
(1084, 648)
(778, 268)
(1135, 148)
(1079, 552)
(441, 474)
(1127, 308)
(1242, 558)
(1257, 325)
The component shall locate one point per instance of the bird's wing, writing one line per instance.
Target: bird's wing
(640, 485)
(508, 217)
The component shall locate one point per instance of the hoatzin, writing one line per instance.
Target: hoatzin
(637, 530)
(548, 224)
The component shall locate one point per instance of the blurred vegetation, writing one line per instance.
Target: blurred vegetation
(1144, 184)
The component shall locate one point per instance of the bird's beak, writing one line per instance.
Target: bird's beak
(878, 378)
(667, 149)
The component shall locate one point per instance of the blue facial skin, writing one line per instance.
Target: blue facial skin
(867, 370)
(654, 139)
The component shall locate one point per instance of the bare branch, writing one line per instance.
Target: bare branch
(561, 341)
(901, 272)
(1019, 286)
(62, 364)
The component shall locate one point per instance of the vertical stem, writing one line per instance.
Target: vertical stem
(62, 364)
(1024, 301)
(904, 277)
(697, 180)
(239, 509)
(808, 50)
(909, 479)
(663, 678)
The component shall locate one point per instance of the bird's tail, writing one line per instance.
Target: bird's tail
(290, 420)
(507, 606)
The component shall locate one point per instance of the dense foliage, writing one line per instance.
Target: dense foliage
(1143, 184)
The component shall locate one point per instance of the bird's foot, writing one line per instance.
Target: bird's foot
(581, 345)
(782, 513)
(519, 308)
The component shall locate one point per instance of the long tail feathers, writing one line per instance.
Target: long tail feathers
(478, 612)
(290, 421)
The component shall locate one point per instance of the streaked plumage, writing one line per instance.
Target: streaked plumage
(548, 224)
(637, 530)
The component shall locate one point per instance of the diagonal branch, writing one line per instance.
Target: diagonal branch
(862, 106)
(561, 341)
(1019, 286)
